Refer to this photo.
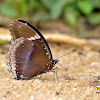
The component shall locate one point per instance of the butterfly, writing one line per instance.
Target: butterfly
(29, 54)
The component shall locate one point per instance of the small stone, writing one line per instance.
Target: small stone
(95, 64)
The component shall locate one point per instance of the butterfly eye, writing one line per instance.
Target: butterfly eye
(55, 61)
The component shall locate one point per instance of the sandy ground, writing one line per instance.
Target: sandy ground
(77, 77)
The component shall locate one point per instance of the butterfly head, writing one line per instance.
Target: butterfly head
(55, 62)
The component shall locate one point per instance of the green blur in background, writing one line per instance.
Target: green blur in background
(70, 11)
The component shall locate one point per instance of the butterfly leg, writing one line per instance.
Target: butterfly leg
(40, 76)
(34, 79)
(55, 73)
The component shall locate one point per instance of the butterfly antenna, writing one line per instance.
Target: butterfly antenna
(66, 54)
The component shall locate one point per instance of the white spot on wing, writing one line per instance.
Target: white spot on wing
(31, 38)
(32, 44)
(25, 23)
(21, 76)
(37, 37)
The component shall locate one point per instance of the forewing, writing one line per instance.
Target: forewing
(21, 28)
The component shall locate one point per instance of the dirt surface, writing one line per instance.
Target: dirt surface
(77, 77)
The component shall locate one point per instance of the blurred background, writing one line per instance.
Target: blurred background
(66, 25)
(78, 17)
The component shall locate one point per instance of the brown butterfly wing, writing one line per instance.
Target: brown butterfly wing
(26, 58)
(21, 28)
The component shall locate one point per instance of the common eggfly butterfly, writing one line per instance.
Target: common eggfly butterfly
(29, 54)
